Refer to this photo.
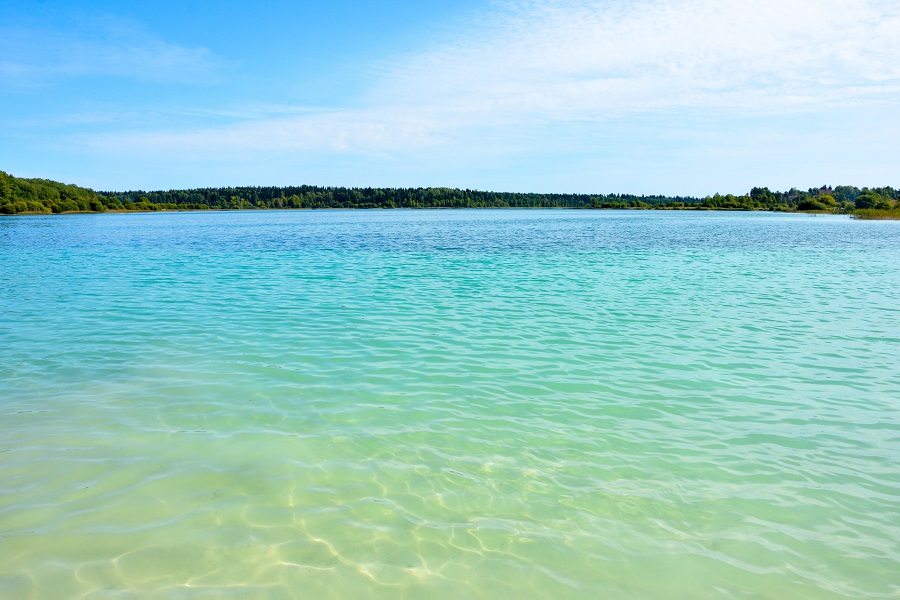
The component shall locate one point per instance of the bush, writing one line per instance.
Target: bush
(870, 199)
(811, 204)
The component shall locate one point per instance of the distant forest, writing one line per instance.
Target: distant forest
(37, 196)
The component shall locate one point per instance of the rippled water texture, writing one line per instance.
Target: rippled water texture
(449, 404)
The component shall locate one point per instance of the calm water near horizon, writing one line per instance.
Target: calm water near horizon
(449, 404)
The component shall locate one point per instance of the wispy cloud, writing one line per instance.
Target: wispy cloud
(528, 74)
(587, 58)
(102, 47)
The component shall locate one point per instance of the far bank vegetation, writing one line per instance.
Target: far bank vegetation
(41, 196)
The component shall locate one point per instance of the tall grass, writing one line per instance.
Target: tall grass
(877, 214)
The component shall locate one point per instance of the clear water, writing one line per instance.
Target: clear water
(449, 404)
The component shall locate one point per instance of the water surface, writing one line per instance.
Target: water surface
(449, 404)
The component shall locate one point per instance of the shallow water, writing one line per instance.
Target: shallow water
(448, 404)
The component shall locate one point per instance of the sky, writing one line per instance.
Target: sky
(673, 97)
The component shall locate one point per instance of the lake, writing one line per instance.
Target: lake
(449, 404)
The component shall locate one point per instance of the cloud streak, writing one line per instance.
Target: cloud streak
(103, 48)
(524, 75)
(587, 59)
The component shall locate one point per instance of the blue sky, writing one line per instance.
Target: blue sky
(638, 96)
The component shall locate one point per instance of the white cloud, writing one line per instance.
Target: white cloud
(502, 82)
(588, 59)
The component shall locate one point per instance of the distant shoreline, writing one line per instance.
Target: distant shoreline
(422, 208)
(42, 196)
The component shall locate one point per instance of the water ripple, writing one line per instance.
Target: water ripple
(479, 404)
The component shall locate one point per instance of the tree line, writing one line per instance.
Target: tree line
(19, 195)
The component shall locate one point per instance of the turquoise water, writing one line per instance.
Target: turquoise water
(449, 404)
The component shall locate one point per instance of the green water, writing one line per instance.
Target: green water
(449, 404)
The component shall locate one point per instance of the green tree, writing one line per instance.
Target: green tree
(845, 193)
(762, 195)
(5, 188)
(870, 199)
